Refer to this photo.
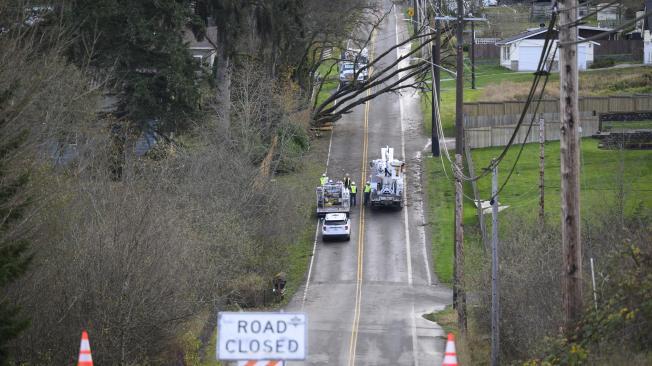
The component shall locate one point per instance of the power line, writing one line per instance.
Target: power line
(518, 156)
(612, 31)
(547, 46)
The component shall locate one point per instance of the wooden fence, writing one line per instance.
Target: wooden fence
(634, 48)
(487, 51)
(485, 114)
(491, 124)
(499, 135)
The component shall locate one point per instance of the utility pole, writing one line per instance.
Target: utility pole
(570, 156)
(459, 81)
(434, 101)
(542, 166)
(472, 54)
(459, 295)
(437, 56)
(495, 276)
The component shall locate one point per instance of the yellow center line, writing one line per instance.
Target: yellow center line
(358, 289)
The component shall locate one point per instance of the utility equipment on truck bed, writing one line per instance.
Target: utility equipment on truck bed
(387, 180)
(333, 197)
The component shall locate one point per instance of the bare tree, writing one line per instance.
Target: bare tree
(388, 77)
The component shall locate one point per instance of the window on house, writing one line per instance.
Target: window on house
(506, 53)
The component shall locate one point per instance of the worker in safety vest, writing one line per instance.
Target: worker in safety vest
(354, 191)
(347, 181)
(367, 193)
(324, 179)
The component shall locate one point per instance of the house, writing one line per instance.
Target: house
(540, 10)
(609, 15)
(522, 51)
(202, 51)
(647, 37)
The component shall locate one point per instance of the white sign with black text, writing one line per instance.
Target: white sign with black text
(261, 336)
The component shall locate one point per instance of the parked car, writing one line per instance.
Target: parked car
(336, 225)
(348, 69)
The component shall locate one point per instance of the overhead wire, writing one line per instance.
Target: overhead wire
(527, 134)
(548, 45)
(548, 42)
(611, 31)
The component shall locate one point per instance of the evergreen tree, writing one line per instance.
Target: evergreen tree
(141, 41)
(14, 257)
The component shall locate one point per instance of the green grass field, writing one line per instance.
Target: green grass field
(627, 125)
(485, 75)
(440, 195)
(600, 178)
(603, 174)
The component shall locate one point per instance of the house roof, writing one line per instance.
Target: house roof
(191, 41)
(533, 32)
(590, 27)
(523, 35)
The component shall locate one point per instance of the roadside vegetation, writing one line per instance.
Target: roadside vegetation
(616, 208)
(616, 212)
(140, 194)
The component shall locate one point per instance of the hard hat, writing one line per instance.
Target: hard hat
(330, 181)
(353, 183)
(323, 175)
(367, 182)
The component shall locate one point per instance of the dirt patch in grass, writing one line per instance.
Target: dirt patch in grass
(592, 83)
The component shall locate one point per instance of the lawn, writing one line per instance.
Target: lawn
(485, 75)
(627, 125)
(603, 174)
(440, 195)
(599, 166)
(328, 72)
(495, 83)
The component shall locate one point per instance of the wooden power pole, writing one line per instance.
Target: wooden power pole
(459, 297)
(495, 275)
(472, 51)
(437, 56)
(434, 100)
(542, 167)
(570, 158)
(459, 294)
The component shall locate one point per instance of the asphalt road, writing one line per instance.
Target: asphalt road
(365, 298)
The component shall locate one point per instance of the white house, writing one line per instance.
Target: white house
(522, 52)
(647, 47)
(647, 37)
(202, 51)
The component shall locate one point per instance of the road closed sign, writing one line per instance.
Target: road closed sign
(261, 336)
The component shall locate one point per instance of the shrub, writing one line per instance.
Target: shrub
(602, 63)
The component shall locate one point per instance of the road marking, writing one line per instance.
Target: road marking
(314, 244)
(312, 260)
(415, 340)
(405, 211)
(330, 143)
(359, 275)
(415, 344)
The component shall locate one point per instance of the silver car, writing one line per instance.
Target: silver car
(336, 225)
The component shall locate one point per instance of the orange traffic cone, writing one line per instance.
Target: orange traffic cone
(85, 358)
(450, 357)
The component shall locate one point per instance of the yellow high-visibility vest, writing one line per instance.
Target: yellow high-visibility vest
(323, 180)
(354, 189)
(367, 188)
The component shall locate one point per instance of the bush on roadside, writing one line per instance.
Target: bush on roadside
(602, 63)
(530, 293)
